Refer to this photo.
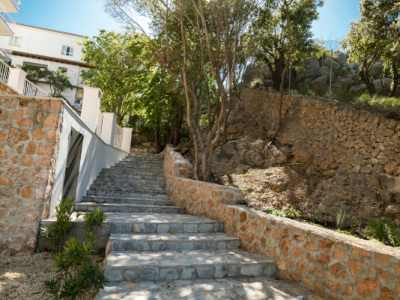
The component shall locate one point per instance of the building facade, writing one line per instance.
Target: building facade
(47, 49)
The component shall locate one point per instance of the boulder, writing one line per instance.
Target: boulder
(376, 70)
(311, 71)
(341, 58)
(320, 84)
(335, 65)
(361, 88)
(254, 158)
(342, 83)
(257, 145)
(302, 153)
(386, 84)
(274, 156)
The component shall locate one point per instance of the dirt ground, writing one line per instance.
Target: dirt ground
(22, 277)
(278, 187)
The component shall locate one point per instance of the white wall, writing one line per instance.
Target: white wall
(47, 43)
(96, 155)
(44, 42)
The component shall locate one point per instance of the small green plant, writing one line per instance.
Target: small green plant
(342, 219)
(314, 215)
(346, 183)
(78, 276)
(393, 234)
(94, 221)
(384, 230)
(57, 233)
(273, 211)
(291, 212)
(344, 231)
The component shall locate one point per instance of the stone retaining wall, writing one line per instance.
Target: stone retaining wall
(333, 264)
(29, 133)
(6, 90)
(330, 135)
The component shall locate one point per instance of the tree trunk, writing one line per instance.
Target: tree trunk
(366, 78)
(396, 78)
(157, 145)
(178, 126)
(277, 73)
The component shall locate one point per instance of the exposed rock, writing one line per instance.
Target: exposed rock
(254, 159)
(329, 61)
(302, 152)
(386, 83)
(320, 84)
(341, 57)
(359, 88)
(376, 70)
(346, 192)
(257, 145)
(274, 156)
(311, 71)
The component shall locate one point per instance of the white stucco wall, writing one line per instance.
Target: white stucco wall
(47, 43)
(96, 155)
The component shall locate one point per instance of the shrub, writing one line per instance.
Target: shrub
(78, 276)
(384, 230)
(342, 219)
(58, 232)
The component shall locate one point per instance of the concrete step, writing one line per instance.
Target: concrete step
(255, 288)
(128, 208)
(131, 175)
(136, 201)
(128, 181)
(172, 241)
(138, 195)
(186, 265)
(161, 223)
(131, 189)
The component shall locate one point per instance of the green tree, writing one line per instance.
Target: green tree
(268, 38)
(118, 69)
(376, 37)
(199, 44)
(58, 81)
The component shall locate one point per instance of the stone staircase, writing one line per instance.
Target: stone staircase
(155, 251)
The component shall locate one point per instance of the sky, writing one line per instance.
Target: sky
(86, 17)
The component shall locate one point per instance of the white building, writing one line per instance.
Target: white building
(46, 48)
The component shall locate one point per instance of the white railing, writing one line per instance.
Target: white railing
(4, 71)
(33, 90)
(119, 134)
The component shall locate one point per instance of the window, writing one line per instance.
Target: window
(26, 63)
(63, 70)
(15, 41)
(67, 50)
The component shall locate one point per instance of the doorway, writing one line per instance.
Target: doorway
(73, 162)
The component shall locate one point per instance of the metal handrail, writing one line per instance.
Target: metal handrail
(33, 90)
(4, 71)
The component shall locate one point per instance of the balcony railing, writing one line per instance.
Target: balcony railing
(33, 90)
(4, 71)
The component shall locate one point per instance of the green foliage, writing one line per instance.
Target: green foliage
(58, 80)
(288, 212)
(375, 38)
(93, 220)
(267, 40)
(379, 102)
(342, 219)
(384, 230)
(58, 232)
(119, 69)
(78, 275)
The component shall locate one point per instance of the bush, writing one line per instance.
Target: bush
(78, 276)
(379, 103)
(57, 233)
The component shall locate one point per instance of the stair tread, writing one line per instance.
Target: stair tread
(256, 288)
(174, 237)
(183, 258)
(152, 218)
